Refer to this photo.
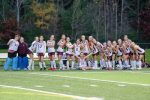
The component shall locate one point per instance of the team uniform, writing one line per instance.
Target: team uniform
(77, 49)
(41, 50)
(140, 51)
(120, 55)
(12, 55)
(51, 51)
(31, 50)
(95, 52)
(85, 49)
(33, 47)
(60, 52)
(69, 53)
(108, 55)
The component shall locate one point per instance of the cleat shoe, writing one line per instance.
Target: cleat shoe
(41, 69)
(44, 68)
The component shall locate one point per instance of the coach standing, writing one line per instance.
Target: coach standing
(22, 55)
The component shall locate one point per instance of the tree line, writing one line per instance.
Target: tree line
(104, 19)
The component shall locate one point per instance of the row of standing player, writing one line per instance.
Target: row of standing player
(126, 53)
(123, 54)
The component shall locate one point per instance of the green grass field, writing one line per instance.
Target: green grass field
(75, 85)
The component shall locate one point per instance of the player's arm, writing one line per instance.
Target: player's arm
(10, 41)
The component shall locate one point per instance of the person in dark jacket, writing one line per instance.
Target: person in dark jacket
(22, 55)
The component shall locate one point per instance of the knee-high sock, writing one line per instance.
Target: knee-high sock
(120, 64)
(113, 64)
(40, 64)
(51, 63)
(44, 65)
(95, 64)
(126, 63)
(89, 63)
(72, 64)
(133, 64)
(32, 65)
(67, 64)
(139, 64)
(103, 63)
(54, 64)
(61, 64)
(109, 64)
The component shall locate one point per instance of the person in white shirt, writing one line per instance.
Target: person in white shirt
(41, 50)
(12, 53)
(31, 50)
(61, 44)
(51, 52)
(69, 53)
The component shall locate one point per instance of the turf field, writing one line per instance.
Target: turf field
(75, 85)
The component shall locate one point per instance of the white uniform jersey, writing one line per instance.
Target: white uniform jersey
(95, 49)
(120, 51)
(33, 46)
(61, 44)
(127, 50)
(13, 46)
(41, 47)
(69, 50)
(82, 63)
(51, 45)
(77, 49)
(99, 46)
(107, 52)
(85, 48)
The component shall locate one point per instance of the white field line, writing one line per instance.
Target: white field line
(92, 79)
(100, 72)
(53, 93)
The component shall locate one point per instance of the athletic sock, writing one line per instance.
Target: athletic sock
(72, 64)
(61, 64)
(32, 65)
(89, 63)
(67, 64)
(120, 64)
(133, 64)
(113, 64)
(126, 63)
(95, 64)
(51, 63)
(44, 65)
(109, 64)
(40, 64)
(54, 64)
(139, 64)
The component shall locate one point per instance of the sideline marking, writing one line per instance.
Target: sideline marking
(108, 81)
(60, 94)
